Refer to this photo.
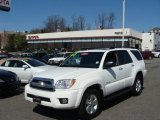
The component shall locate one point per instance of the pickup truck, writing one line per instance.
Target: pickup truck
(86, 77)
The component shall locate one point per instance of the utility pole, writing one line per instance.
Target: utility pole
(123, 23)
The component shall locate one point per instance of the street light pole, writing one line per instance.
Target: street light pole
(123, 23)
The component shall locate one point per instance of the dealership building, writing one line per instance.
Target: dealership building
(88, 39)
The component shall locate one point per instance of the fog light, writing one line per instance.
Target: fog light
(63, 100)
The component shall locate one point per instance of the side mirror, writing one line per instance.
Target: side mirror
(25, 66)
(109, 64)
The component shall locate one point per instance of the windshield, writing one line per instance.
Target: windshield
(83, 59)
(34, 62)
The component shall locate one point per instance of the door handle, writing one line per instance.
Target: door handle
(132, 65)
(120, 68)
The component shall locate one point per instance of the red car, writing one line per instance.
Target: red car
(147, 55)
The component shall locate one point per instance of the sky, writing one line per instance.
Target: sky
(25, 15)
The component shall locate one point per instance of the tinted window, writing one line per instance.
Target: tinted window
(124, 57)
(112, 56)
(137, 54)
(13, 63)
(83, 59)
(18, 64)
(34, 62)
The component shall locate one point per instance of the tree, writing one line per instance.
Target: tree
(105, 21)
(36, 30)
(55, 23)
(110, 20)
(78, 23)
(101, 21)
(17, 42)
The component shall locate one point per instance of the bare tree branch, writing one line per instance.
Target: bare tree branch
(78, 23)
(110, 20)
(54, 23)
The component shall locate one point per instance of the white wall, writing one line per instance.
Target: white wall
(150, 41)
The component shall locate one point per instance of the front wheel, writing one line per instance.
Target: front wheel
(91, 104)
(137, 87)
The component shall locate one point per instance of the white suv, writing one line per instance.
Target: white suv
(85, 78)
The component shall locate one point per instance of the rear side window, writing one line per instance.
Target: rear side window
(137, 54)
(124, 57)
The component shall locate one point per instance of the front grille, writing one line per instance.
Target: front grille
(42, 83)
(41, 98)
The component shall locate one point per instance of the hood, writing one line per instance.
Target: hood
(65, 73)
(43, 68)
(46, 67)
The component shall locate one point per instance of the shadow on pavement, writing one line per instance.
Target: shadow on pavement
(72, 114)
(112, 101)
(8, 94)
(56, 114)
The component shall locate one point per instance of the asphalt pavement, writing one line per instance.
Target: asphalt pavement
(124, 107)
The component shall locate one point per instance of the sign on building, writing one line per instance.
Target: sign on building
(5, 5)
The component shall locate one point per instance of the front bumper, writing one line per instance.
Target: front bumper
(52, 99)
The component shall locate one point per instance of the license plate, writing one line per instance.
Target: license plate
(37, 99)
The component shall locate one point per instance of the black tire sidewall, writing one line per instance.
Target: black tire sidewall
(82, 111)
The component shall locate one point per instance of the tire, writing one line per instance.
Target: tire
(91, 104)
(159, 55)
(137, 86)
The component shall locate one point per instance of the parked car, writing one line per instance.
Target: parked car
(147, 55)
(26, 55)
(24, 67)
(8, 80)
(85, 78)
(157, 53)
(46, 57)
(59, 57)
(5, 55)
(39, 55)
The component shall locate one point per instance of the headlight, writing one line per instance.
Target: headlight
(64, 84)
(1, 81)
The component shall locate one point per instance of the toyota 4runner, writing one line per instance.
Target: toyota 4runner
(86, 77)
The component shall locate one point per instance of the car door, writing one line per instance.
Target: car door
(116, 75)
(125, 66)
(16, 66)
(112, 74)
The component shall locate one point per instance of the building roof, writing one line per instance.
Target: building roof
(155, 30)
(85, 34)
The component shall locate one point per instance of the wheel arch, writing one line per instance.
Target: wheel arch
(140, 73)
(97, 87)
(83, 113)
(94, 86)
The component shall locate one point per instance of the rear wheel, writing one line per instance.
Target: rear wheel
(137, 87)
(91, 104)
